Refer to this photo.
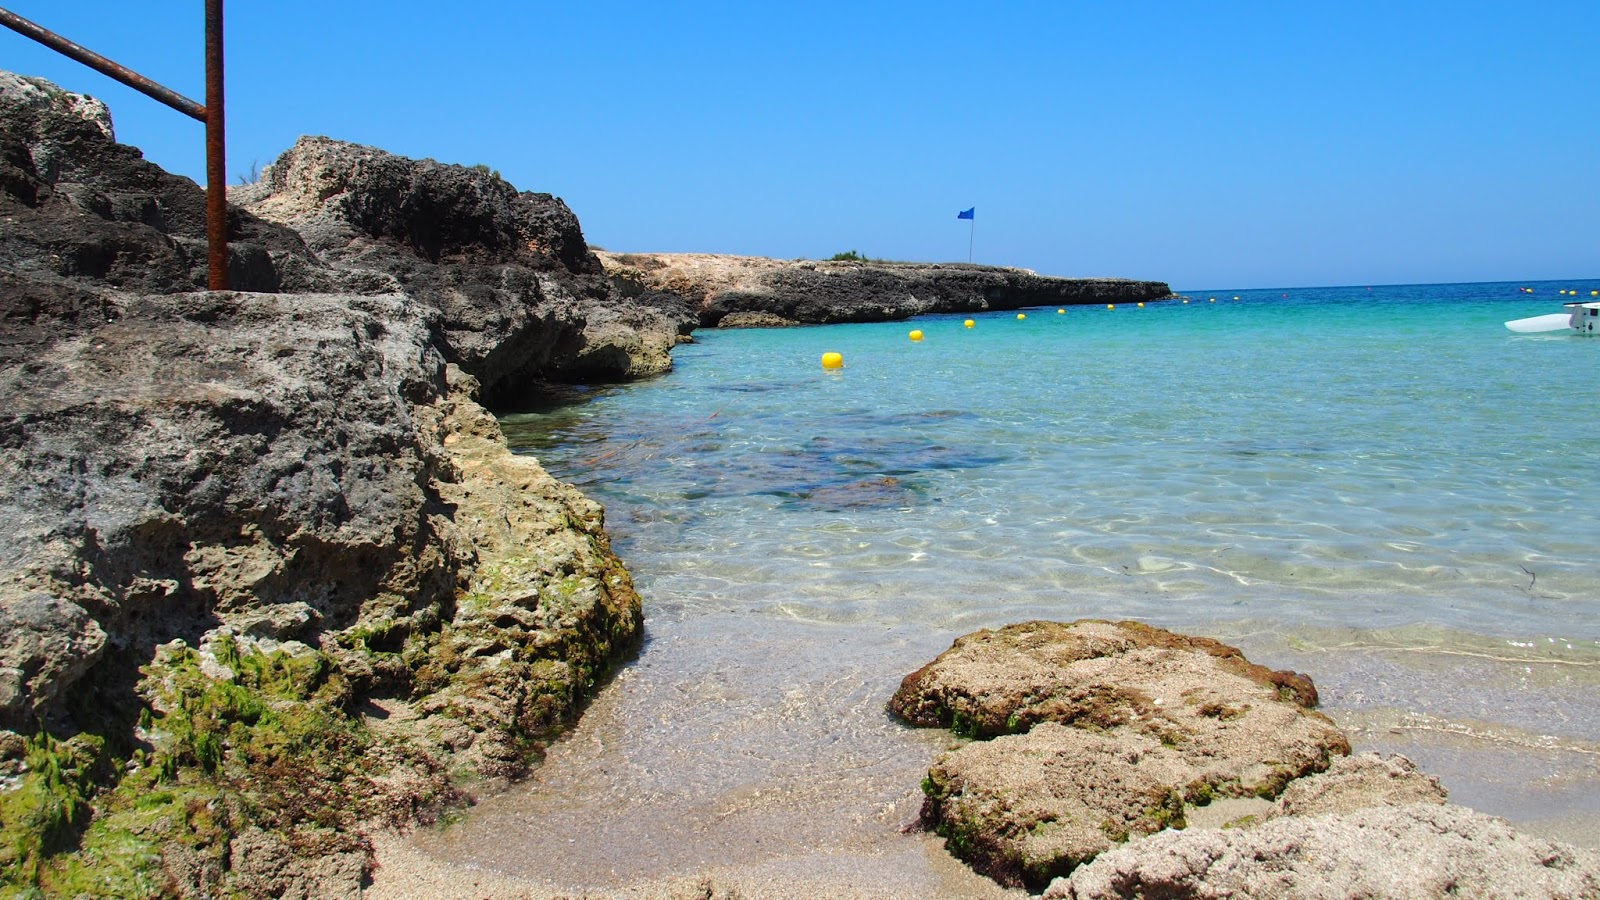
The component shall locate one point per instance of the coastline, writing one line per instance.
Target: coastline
(272, 558)
(281, 531)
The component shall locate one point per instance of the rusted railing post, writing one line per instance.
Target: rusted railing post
(216, 153)
(211, 114)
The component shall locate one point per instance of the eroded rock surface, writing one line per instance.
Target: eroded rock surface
(745, 291)
(1100, 731)
(1420, 850)
(1098, 740)
(518, 292)
(1358, 782)
(76, 206)
(270, 574)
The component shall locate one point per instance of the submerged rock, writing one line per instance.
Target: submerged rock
(1101, 731)
(883, 492)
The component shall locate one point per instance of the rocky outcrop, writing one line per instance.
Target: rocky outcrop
(742, 290)
(77, 207)
(1414, 851)
(519, 294)
(270, 573)
(1104, 739)
(1100, 732)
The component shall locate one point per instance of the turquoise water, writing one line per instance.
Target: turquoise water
(1349, 457)
(1381, 487)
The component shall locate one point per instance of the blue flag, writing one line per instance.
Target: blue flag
(967, 213)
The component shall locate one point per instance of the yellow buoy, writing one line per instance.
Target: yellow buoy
(1060, 311)
(1594, 293)
(1141, 304)
(1022, 315)
(1235, 298)
(969, 323)
(1111, 306)
(832, 361)
(1213, 299)
(1186, 300)
(1563, 291)
(916, 335)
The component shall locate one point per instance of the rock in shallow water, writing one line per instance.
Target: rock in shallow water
(1101, 731)
(1102, 737)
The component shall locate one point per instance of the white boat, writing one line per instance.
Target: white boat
(1583, 319)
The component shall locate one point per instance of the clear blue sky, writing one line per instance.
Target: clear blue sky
(1209, 145)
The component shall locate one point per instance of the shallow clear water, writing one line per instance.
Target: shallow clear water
(1381, 487)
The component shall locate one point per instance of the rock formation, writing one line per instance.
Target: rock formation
(1100, 731)
(83, 209)
(271, 574)
(520, 295)
(733, 291)
(1420, 850)
(1102, 739)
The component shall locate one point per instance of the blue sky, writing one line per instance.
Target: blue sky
(1207, 145)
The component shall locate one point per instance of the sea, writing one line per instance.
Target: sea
(1379, 486)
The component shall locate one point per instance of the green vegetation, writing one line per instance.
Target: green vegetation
(484, 168)
(270, 746)
(848, 256)
(964, 725)
(43, 812)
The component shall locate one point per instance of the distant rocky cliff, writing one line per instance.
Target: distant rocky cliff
(740, 290)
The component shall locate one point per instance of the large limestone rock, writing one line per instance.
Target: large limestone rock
(1105, 731)
(1104, 738)
(742, 291)
(265, 556)
(206, 459)
(519, 294)
(545, 613)
(1421, 850)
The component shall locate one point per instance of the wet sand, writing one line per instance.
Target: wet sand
(759, 760)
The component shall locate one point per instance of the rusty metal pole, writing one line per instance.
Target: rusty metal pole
(216, 153)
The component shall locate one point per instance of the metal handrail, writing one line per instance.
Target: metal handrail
(211, 114)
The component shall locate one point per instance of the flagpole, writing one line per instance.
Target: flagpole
(971, 233)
